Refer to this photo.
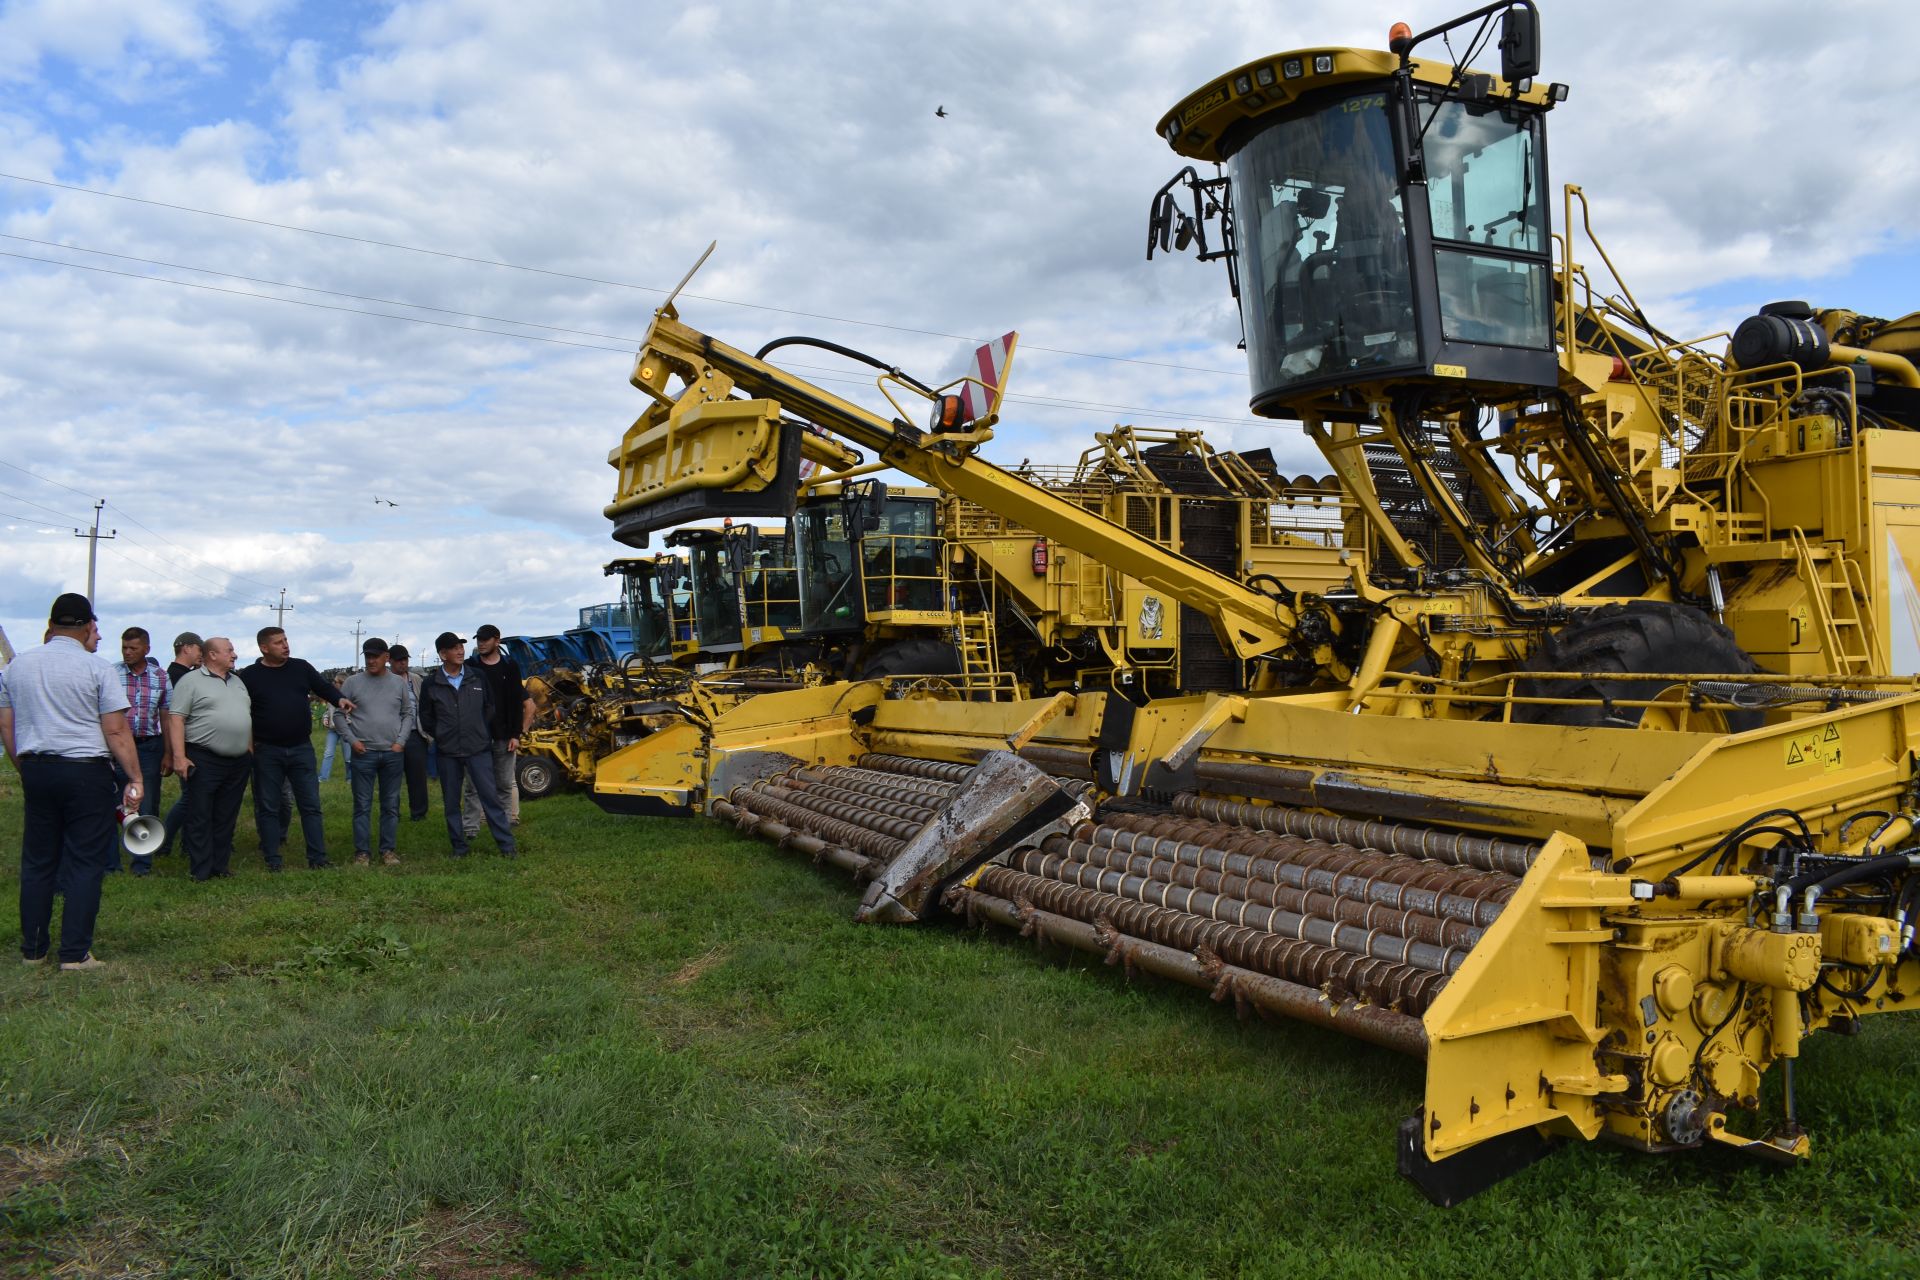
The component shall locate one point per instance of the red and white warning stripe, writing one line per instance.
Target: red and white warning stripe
(978, 399)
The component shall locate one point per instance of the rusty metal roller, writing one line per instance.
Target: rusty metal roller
(790, 838)
(937, 770)
(848, 776)
(1408, 884)
(1346, 1013)
(1289, 924)
(1403, 921)
(849, 834)
(1487, 853)
(905, 809)
(870, 818)
(898, 804)
(1320, 967)
(1413, 871)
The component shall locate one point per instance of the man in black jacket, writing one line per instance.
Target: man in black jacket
(456, 711)
(512, 717)
(283, 745)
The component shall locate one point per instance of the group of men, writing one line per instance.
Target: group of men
(84, 734)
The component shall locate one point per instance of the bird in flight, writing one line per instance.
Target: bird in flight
(941, 111)
(385, 501)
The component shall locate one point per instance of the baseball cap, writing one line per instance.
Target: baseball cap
(487, 631)
(71, 609)
(399, 653)
(446, 640)
(374, 646)
(184, 639)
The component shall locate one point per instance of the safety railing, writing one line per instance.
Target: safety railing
(903, 573)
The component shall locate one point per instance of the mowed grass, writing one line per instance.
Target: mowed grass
(652, 1047)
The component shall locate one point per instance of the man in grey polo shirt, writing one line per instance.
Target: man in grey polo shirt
(62, 711)
(210, 730)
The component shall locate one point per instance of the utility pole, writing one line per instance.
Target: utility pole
(355, 663)
(280, 610)
(93, 538)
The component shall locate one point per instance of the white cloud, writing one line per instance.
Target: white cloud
(613, 141)
(128, 50)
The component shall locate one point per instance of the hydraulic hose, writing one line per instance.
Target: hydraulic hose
(1869, 869)
(801, 341)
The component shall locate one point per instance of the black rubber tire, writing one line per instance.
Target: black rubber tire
(918, 656)
(538, 776)
(1616, 639)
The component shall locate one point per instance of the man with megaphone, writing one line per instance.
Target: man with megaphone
(63, 722)
(148, 692)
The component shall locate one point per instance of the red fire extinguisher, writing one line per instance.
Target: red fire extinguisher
(1039, 557)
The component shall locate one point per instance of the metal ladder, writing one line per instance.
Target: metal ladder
(1834, 590)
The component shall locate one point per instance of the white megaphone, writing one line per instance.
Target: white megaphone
(142, 834)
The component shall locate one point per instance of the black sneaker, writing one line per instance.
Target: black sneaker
(141, 867)
(322, 865)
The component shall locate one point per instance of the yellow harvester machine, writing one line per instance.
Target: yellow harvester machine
(1592, 783)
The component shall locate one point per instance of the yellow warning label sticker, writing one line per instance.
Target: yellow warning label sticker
(1816, 746)
(1449, 371)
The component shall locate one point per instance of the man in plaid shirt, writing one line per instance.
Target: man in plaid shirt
(147, 699)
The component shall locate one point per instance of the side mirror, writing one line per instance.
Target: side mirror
(1184, 236)
(1160, 223)
(1519, 45)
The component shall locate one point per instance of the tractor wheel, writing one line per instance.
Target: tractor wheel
(1644, 636)
(915, 657)
(538, 776)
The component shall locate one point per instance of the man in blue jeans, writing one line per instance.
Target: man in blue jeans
(283, 745)
(377, 729)
(63, 713)
(456, 712)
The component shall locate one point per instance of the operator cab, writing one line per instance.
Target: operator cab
(713, 596)
(1384, 218)
(868, 553)
(647, 584)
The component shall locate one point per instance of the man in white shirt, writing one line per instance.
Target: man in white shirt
(63, 722)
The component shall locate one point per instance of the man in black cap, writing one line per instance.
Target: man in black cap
(63, 721)
(283, 745)
(414, 758)
(456, 711)
(512, 716)
(186, 656)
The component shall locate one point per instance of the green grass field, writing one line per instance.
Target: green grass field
(656, 1048)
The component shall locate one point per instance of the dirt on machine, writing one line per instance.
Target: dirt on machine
(1581, 765)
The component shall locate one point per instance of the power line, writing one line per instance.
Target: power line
(307, 288)
(302, 302)
(183, 550)
(44, 479)
(199, 590)
(1036, 401)
(80, 519)
(71, 519)
(219, 585)
(585, 279)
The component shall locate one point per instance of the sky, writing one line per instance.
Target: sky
(561, 165)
